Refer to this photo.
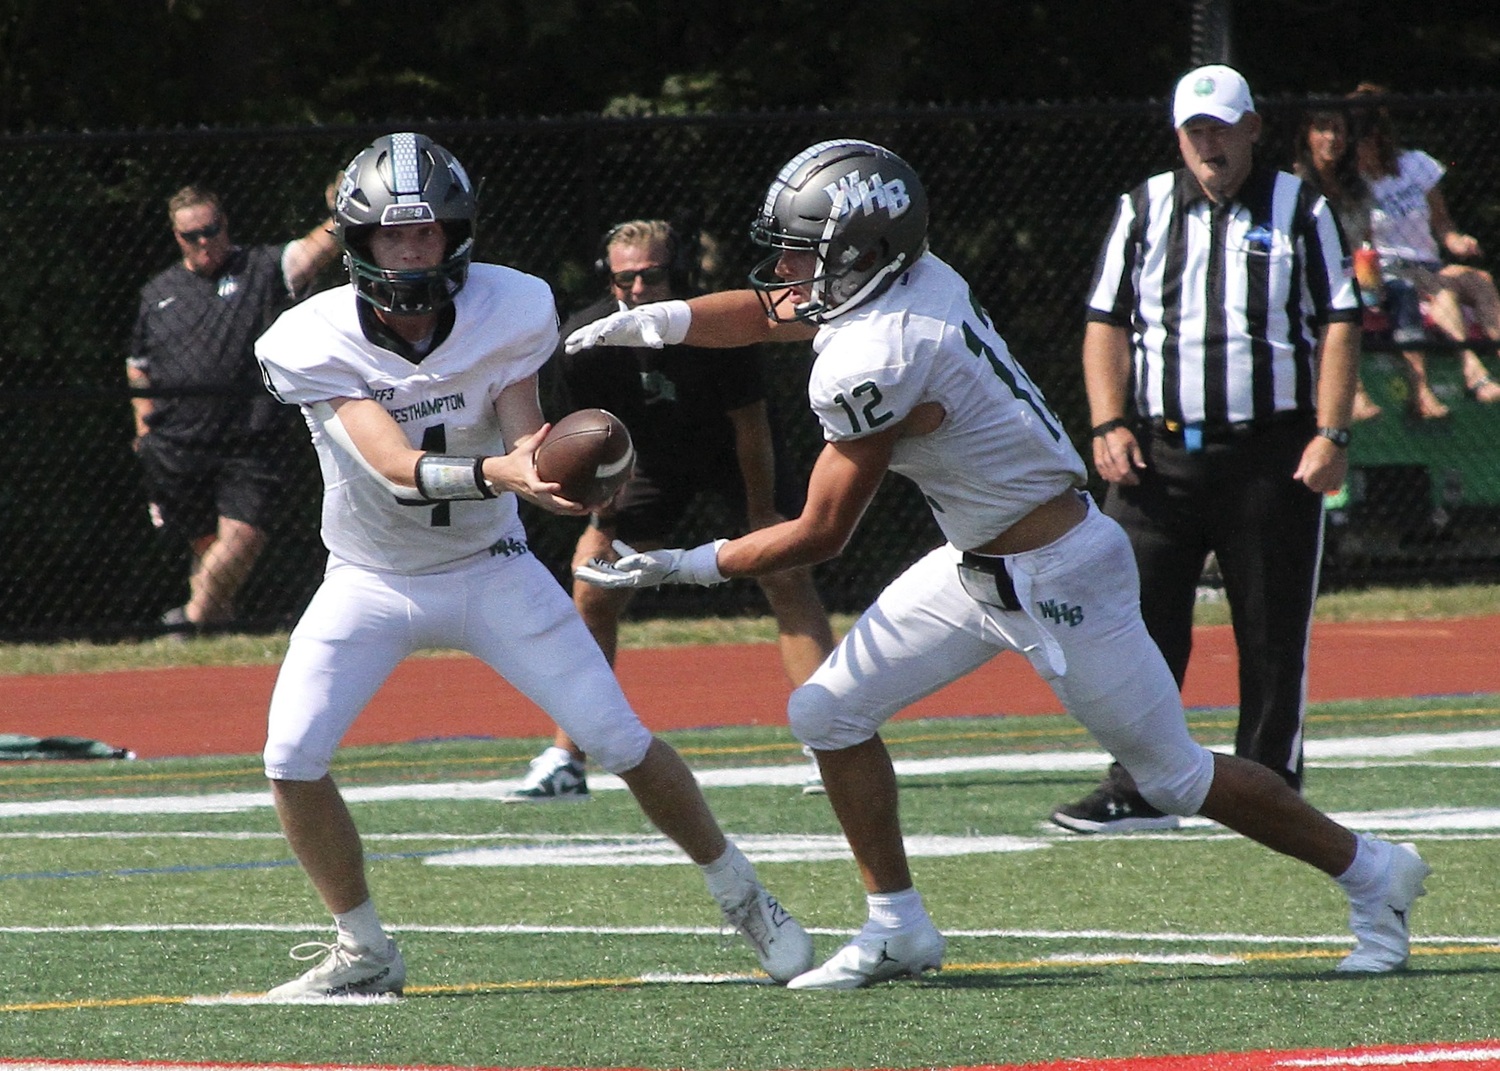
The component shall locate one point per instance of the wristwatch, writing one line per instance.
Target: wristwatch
(1338, 436)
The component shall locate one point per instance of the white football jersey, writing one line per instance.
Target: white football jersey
(505, 329)
(1000, 451)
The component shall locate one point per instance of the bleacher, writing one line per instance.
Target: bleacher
(1419, 489)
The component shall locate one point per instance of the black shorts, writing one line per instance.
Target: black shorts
(191, 487)
(652, 505)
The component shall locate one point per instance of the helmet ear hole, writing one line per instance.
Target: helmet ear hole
(457, 234)
(357, 239)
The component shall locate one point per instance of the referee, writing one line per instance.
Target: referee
(1220, 359)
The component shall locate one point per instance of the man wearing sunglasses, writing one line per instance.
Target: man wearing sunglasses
(208, 440)
(700, 425)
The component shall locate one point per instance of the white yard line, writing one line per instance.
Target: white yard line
(1405, 746)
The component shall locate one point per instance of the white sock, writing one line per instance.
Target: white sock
(1371, 857)
(360, 928)
(560, 756)
(726, 876)
(896, 910)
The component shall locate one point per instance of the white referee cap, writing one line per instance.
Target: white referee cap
(1216, 91)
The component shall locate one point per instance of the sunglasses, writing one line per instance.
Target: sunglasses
(653, 276)
(213, 230)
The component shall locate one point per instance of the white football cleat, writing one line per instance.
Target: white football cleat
(344, 972)
(1381, 922)
(877, 955)
(554, 776)
(780, 943)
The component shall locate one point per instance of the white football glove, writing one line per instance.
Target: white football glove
(654, 325)
(648, 568)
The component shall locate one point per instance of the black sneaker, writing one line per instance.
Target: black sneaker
(1112, 809)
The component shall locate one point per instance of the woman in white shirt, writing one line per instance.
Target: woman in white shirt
(1411, 230)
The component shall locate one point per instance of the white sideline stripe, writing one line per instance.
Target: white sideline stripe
(1435, 824)
(1395, 1059)
(1417, 1058)
(1402, 820)
(525, 930)
(1405, 744)
(1399, 746)
(761, 848)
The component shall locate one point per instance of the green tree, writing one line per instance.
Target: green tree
(165, 63)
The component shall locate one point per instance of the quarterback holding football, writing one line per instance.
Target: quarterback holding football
(418, 383)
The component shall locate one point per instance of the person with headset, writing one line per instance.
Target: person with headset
(699, 426)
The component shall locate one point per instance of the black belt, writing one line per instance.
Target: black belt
(985, 579)
(1222, 431)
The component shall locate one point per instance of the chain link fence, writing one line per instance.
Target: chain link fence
(1021, 196)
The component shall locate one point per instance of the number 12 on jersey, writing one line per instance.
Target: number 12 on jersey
(863, 403)
(867, 397)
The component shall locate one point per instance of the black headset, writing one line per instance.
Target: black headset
(682, 256)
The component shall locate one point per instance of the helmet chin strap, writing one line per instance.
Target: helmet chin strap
(872, 286)
(408, 293)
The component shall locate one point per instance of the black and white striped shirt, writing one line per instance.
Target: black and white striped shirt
(1223, 302)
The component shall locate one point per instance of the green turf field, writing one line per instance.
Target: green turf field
(138, 894)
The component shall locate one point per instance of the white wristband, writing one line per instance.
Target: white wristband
(700, 565)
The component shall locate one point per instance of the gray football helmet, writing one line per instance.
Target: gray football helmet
(402, 179)
(859, 207)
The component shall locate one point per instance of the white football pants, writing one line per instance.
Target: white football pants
(509, 612)
(1080, 628)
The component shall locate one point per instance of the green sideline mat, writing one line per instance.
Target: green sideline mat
(15, 747)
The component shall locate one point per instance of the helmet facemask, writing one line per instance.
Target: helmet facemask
(399, 180)
(774, 291)
(407, 292)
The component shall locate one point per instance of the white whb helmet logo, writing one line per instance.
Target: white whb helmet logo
(858, 208)
(852, 193)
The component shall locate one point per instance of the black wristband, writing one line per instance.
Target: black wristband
(484, 485)
(1101, 430)
(1338, 436)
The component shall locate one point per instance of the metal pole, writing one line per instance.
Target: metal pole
(1211, 32)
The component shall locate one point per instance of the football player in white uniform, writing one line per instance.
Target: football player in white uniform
(418, 382)
(910, 376)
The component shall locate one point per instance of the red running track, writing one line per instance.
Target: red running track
(221, 710)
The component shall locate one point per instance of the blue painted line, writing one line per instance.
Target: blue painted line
(142, 871)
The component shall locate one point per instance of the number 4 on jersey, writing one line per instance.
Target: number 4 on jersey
(435, 441)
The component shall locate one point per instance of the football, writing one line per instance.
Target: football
(590, 453)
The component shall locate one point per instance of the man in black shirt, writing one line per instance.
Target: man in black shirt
(1220, 361)
(700, 425)
(207, 443)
